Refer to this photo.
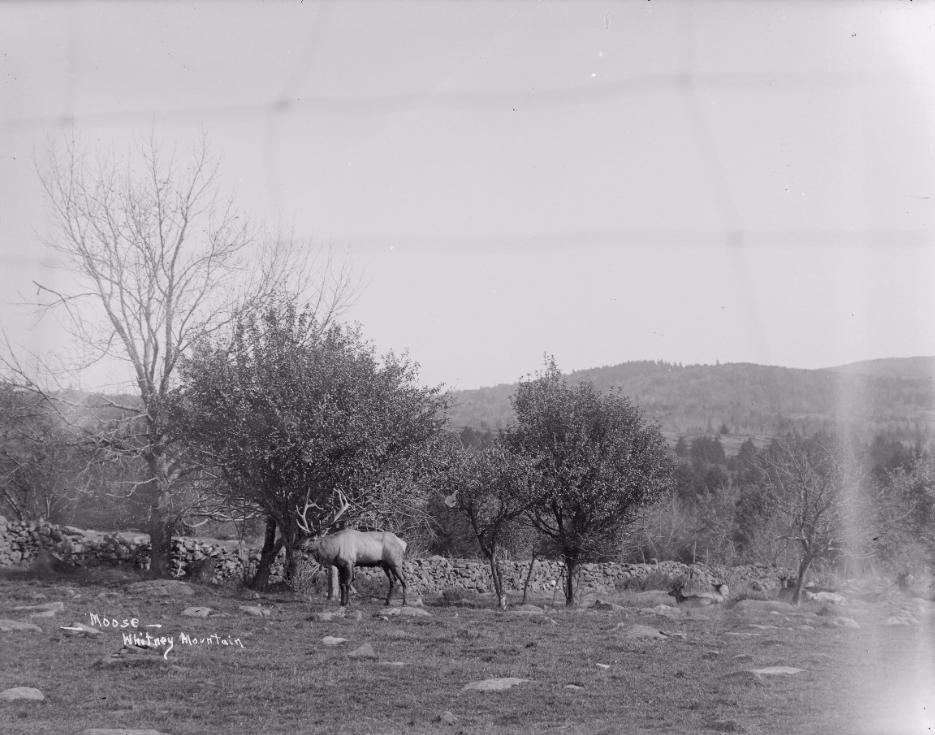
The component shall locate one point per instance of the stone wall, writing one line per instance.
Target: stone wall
(21, 542)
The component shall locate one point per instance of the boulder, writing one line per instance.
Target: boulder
(10, 626)
(494, 685)
(21, 693)
(365, 651)
(196, 612)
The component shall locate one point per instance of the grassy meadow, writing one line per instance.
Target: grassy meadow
(283, 679)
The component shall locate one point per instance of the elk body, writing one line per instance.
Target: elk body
(349, 549)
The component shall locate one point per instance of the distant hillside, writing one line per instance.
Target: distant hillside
(895, 395)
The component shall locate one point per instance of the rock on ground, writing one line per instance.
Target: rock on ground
(403, 611)
(330, 640)
(20, 693)
(256, 610)
(640, 632)
(494, 685)
(9, 626)
(842, 623)
(365, 651)
(121, 731)
(448, 718)
(52, 607)
(197, 612)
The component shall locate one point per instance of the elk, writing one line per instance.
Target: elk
(700, 599)
(351, 548)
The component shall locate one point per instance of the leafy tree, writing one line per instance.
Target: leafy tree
(595, 461)
(158, 259)
(491, 489)
(291, 411)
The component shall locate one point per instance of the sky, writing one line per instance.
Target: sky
(599, 181)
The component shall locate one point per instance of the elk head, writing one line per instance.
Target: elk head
(324, 521)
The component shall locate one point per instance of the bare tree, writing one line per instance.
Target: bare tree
(816, 485)
(158, 260)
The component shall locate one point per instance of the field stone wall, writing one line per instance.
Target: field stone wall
(21, 542)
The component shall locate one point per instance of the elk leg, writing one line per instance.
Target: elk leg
(400, 578)
(345, 575)
(389, 576)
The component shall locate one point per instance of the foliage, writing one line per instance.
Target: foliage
(595, 460)
(491, 489)
(291, 411)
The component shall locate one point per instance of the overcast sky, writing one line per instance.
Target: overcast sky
(682, 181)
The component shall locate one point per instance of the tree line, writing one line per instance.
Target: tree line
(254, 402)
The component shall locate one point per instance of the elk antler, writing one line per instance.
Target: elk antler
(320, 528)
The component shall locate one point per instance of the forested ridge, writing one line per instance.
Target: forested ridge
(893, 396)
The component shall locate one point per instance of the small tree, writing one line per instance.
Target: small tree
(595, 460)
(816, 487)
(491, 489)
(290, 411)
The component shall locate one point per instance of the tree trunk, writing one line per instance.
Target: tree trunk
(800, 583)
(532, 563)
(570, 568)
(268, 555)
(497, 575)
(160, 517)
(160, 533)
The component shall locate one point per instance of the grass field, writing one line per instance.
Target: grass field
(874, 679)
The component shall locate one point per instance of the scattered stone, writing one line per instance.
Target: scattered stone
(611, 606)
(354, 615)
(527, 608)
(640, 632)
(573, 687)
(742, 657)
(763, 627)
(46, 614)
(759, 606)
(196, 612)
(365, 651)
(842, 623)
(447, 718)
(495, 685)
(394, 664)
(47, 607)
(900, 620)
(9, 626)
(805, 627)
(710, 655)
(255, 610)
(76, 629)
(416, 602)
(329, 640)
(602, 666)
(744, 677)
(412, 612)
(161, 587)
(121, 731)
(832, 598)
(19, 693)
